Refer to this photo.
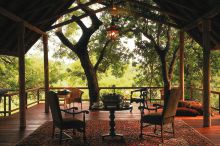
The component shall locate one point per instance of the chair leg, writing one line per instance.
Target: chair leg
(141, 127)
(84, 134)
(74, 132)
(155, 128)
(53, 131)
(162, 132)
(61, 131)
(173, 125)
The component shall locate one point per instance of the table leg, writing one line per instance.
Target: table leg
(112, 126)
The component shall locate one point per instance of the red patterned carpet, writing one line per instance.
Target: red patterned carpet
(184, 136)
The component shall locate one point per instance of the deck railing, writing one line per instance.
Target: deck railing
(10, 101)
(196, 93)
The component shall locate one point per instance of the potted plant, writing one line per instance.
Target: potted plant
(111, 99)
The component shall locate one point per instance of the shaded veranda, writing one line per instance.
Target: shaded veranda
(181, 15)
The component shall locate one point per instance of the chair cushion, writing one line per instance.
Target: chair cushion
(152, 118)
(72, 123)
(183, 111)
(184, 104)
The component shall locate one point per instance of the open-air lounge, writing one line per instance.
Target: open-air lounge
(112, 115)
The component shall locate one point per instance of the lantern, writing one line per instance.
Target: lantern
(112, 31)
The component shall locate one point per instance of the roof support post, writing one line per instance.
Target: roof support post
(206, 73)
(181, 58)
(46, 72)
(21, 53)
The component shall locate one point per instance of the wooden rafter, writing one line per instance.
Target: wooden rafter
(207, 15)
(159, 10)
(39, 9)
(15, 18)
(179, 5)
(153, 18)
(217, 47)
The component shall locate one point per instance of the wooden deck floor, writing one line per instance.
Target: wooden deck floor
(10, 133)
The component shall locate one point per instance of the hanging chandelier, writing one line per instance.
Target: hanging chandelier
(113, 30)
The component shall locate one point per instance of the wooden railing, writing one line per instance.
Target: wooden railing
(37, 96)
(192, 91)
(9, 97)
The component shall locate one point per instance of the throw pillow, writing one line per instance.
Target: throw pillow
(183, 111)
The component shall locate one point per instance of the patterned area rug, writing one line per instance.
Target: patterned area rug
(185, 136)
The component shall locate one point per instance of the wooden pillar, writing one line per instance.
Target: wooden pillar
(206, 73)
(21, 53)
(181, 58)
(46, 72)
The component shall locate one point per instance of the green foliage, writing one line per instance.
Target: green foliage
(8, 72)
(75, 75)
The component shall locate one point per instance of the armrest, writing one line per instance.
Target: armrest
(73, 108)
(79, 112)
(138, 90)
(147, 108)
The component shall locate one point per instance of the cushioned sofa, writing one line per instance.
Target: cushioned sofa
(189, 108)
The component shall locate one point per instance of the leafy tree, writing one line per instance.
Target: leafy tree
(88, 44)
(158, 37)
(8, 72)
(81, 50)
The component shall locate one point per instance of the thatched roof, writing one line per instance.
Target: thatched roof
(182, 14)
(32, 11)
(190, 13)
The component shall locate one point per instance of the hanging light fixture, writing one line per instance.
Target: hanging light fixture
(113, 30)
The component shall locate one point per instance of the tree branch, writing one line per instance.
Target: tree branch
(102, 54)
(170, 72)
(80, 23)
(65, 41)
(168, 40)
(159, 30)
(95, 21)
(7, 60)
(151, 38)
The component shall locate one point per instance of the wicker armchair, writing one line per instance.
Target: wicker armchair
(75, 96)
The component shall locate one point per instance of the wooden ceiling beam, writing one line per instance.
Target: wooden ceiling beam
(39, 9)
(105, 8)
(152, 18)
(15, 18)
(67, 12)
(217, 47)
(8, 53)
(207, 15)
(158, 9)
(173, 2)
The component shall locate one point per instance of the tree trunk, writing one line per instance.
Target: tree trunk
(91, 77)
(166, 80)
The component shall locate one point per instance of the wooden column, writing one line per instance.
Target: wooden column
(206, 73)
(46, 72)
(21, 53)
(181, 58)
